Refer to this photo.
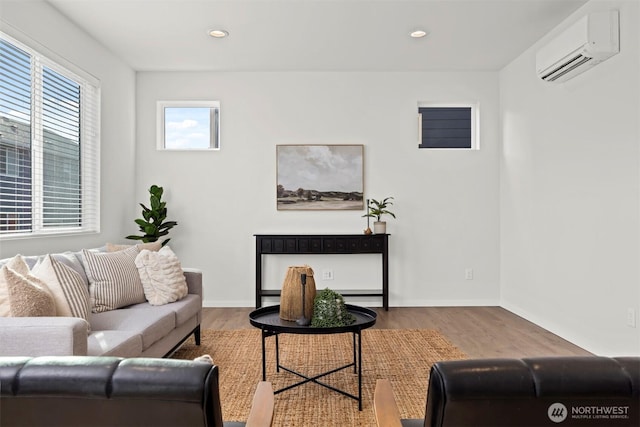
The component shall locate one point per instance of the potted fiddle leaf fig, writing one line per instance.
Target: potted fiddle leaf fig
(376, 209)
(153, 222)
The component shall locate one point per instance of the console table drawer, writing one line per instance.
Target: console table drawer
(339, 245)
(291, 245)
(374, 244)
(311, 245)
(278, 246)
(353, 245)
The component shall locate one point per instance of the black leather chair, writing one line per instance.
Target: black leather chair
(111, 391)
(552, 391)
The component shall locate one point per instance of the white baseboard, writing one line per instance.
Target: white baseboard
(551, 327)
(367, 303)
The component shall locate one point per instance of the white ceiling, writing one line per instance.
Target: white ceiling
(323, 35)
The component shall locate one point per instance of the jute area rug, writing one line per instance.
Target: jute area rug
(403, 356)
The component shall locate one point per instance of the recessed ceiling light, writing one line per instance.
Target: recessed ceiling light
(218, 33)
(418, 34)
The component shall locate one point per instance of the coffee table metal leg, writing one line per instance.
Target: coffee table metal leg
(359, 370)
(277, 354)
(264, 356)
(355, 366)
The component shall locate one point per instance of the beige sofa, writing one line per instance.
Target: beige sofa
(138, 330)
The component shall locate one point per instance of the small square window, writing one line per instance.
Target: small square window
(188, 125)
(447, 127)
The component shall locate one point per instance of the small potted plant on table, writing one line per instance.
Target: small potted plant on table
(377, 208)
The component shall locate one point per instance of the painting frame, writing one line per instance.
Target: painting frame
(319, 177)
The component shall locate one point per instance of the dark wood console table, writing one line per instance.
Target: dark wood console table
(322, 244)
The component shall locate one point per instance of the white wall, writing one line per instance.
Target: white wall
(37, 21)
(446, 202)
(570, 175)
(552, 214)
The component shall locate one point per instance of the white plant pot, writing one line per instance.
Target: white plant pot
(380, 227)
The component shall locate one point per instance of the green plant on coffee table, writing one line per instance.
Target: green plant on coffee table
(329, 310)
(153, 223)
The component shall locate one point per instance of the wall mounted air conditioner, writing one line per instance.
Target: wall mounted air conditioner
(588, 42)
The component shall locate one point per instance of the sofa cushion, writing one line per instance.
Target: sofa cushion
(114, 281)
(21, 293)
(114, 343)
(161, 276)
(183, 310)
(70, 293)
(150, 323)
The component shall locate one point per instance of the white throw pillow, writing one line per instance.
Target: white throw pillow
(161, 275)
(69, 291)
(22, 294)
(113, 279)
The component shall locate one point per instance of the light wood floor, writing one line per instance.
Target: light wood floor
(478, 331)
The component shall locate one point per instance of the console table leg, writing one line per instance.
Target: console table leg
(385, 278)
(258, 275)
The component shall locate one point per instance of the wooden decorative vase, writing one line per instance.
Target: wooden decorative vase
(291, 294)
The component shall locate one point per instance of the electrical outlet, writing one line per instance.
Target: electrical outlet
(327, 274)
(631, 317)
(468, 274)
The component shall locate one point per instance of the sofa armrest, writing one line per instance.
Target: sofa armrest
(43, 336)
(384, 405)
(261, 414)
(194, 280)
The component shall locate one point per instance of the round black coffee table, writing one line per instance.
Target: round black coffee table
(269, 321)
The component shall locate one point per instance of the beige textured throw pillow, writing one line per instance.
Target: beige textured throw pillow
(21, 294)
(69, 291)
(161, 275)
(113, 279)
(15, 263)
(18, 264)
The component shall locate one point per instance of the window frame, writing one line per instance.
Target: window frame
(14, 171)
(214, 123)
(475, 124)
(89, 140)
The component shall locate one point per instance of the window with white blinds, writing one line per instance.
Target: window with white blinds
(49, 145)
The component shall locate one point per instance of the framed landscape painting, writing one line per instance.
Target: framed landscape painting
(319, 177)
